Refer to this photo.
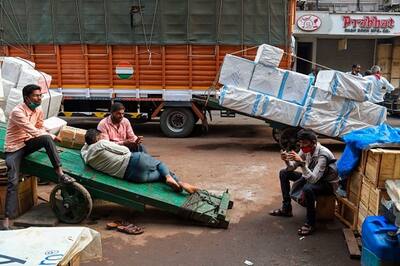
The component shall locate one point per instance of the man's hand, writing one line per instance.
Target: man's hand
(132, 145)
(284, 155)
(57, 139)
(139, 140)
(293, 156)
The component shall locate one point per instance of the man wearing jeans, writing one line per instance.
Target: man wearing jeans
(25, 135)
(118, 161)
(318, 173)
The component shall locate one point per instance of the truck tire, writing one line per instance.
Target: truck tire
(177, 122)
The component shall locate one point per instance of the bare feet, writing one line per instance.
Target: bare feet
(173, 184)
(188, 188)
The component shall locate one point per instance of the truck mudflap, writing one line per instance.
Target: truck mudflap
(208, 209)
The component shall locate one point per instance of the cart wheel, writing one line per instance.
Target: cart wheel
(288, 139)
(71, 203)
(276, 134)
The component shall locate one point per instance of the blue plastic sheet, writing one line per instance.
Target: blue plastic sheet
(358, 140)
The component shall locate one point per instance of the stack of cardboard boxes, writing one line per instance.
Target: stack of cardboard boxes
(366, 186)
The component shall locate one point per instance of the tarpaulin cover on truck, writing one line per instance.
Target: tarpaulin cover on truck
(144, 22)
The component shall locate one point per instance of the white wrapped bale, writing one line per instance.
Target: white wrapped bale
(368, 113)
(12, 66)
(349, 125)
(241, 100)
(14, 98)
(236, 71)
(32, 76)
(269, 55)
(266, 80)
(53, 125)
(54, 101)
(286, 85)
(321, 122)
(323, 100)
(344, 85)
(281, 111)
(7, 86)
(2, 116)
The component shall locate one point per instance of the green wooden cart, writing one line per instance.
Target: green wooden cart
(73, 203)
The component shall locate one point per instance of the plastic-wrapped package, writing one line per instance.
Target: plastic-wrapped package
(236, 71)
(7, 86)
(241, 100)
(54, 124)
(323, 100)
(348, 125)
(286, 85)
(11, 68)
(368, 113)
(344, 85)
(55, 103)
(269, 55)
(32, 76)
(14, 98)
(321, 121)
(281, 111)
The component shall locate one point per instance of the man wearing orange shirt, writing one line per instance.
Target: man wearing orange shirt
(116, 128)
(25, 135)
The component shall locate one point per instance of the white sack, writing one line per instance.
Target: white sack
(49, 245)
(368, 113)
(349, 125)
(32, 76)
(323, 100)
(344, 85)
(321, 122)
(2, 116)
(14, 98)
(12, 66)
(280, 111)
(54, 124)
(296, 88)
(267, 80)
(55, 103)
(7, 86)
(236, 71)
(269, 55)
(241, 100)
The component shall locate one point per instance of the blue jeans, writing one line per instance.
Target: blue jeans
(143, 168)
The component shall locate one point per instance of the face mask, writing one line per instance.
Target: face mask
(33, 105)
(306, 149)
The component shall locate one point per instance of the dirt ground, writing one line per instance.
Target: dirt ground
(237, 154)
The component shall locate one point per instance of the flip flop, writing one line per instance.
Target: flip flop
(130, 229)
(114, 225)
(281, 213)
(305, 230)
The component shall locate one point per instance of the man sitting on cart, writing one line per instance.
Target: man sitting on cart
(318, 176)
(116, 128)
(118, 161)
(25, 135)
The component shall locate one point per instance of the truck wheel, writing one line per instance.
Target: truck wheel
(71, 203)
(177, 122)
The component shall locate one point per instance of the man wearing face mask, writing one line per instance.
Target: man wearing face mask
(25, 135)
(318, 171)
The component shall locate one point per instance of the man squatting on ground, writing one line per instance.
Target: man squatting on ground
(25, 135)
(318, 171)
(116, 128)
(118, 161)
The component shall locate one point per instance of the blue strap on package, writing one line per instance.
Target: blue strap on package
(358, 140)
(256, 103)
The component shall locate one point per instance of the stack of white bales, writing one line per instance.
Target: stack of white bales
(338, 104)
(16, 74)
(334, 107)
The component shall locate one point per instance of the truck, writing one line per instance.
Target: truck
(160, 58)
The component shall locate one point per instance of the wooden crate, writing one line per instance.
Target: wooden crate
(382, 164)
(362, 214)
(375, 198)
(347, 212)
(27, 195)
(365, 191)
(363, 162)
(354, 186)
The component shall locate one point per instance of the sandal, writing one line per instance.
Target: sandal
(305, 230)
(130, 229)
(115, 224)
(66, 179)
(281, 213)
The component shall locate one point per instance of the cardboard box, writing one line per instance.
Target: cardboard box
(382, 164)
(72, 137)
(27, 195)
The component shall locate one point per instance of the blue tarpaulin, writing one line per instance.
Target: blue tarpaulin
(358, 140)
